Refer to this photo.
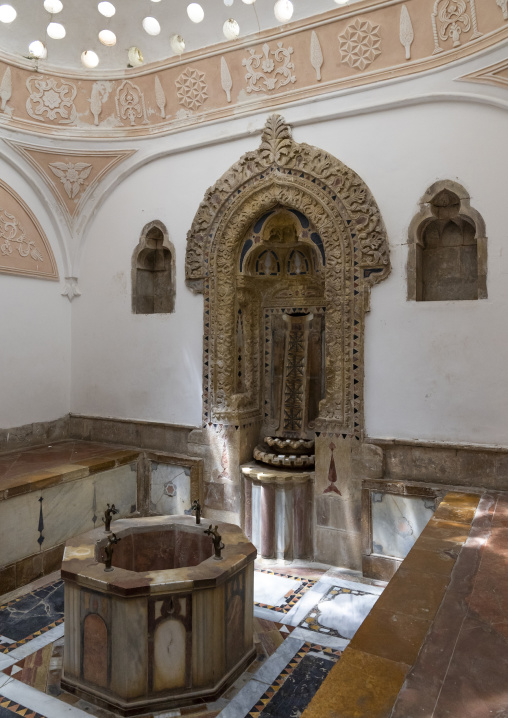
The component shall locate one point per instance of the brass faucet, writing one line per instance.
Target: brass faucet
(196, 506)
(108, 551)
(217, 542)
(108, 515)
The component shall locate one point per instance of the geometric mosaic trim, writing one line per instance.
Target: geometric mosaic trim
(18, 709)
(292, 597)
(11, 646)
(333, 654)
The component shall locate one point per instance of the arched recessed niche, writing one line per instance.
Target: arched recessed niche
(153, 272)
(447, 247)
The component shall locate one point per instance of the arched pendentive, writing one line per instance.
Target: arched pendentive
(287, 175)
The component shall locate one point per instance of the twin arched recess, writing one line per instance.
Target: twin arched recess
(283, 175)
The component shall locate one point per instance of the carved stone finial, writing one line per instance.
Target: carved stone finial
(276, 141)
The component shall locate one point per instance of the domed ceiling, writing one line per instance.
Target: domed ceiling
(82, 23)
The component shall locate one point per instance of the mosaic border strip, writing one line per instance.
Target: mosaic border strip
(286, 672)
(29, 638)
(292, 598)
(18, 709)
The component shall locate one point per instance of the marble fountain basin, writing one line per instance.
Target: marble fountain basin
(168, 626)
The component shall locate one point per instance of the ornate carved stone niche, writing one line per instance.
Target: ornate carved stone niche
(447, 247)
(285, 248)
(339, 205)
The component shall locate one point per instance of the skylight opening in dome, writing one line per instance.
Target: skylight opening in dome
(151, 26)
(7, 13)
(249, 2)
(177, 44)
(283, 10)
(135, 56)
(106, 8)
(195, 12)
(53, 6)
(90, 59)
(56, 30)
(231, 29)
(107, 37)
(342, 2)
(228, 3)
(38, 49)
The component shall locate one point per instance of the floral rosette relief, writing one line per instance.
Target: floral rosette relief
(51, 99)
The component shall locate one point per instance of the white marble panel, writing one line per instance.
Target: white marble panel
(40, 702)
(36, 643)
(345, 613)
(271, 590)
(19, 518)
(256, 516)
(170, 489)
(397, 521)
(69, 508)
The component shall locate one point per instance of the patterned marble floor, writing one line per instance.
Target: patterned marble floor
(304, 618)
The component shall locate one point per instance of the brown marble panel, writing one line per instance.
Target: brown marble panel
(358, 686)
(391, 635)
(268, 521)
(95, 650)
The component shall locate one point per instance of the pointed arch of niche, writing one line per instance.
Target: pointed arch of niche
(24, 247)
(284, 175)
(153, 271)
(447, 243)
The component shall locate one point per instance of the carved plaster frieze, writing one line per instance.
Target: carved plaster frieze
(24, 247)
(283, 65)
(71, 176)
(270, 69)
(407, 34)
(100, 93)
(492, 75)
(225, 78)
(451, 19)
(52, 99)
(285, 174)
(192, 89)
(360, 44)
(503, 5)
(130, 104)
(316, 54)
(6, 91)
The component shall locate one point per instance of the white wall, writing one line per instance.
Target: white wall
(146, 367)
(433, 370)
(34, 334)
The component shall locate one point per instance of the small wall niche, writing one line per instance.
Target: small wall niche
(447, 247)
(153, 272)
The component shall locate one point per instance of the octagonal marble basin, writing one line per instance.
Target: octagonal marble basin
(168, 626)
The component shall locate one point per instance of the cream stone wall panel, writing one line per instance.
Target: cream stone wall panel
(67, 103)
(24, 247)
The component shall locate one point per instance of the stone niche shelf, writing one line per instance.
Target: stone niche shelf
(278, 511)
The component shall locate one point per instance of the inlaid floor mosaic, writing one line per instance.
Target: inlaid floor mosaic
(340, 612)
(296, 685)
(8, 708)
(29, 616)
(283, 589)
(295, 649)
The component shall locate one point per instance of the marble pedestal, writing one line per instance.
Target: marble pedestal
(168, 626)
(279, 511)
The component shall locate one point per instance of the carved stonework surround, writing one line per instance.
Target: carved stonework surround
(449, 234)
(283, 174)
